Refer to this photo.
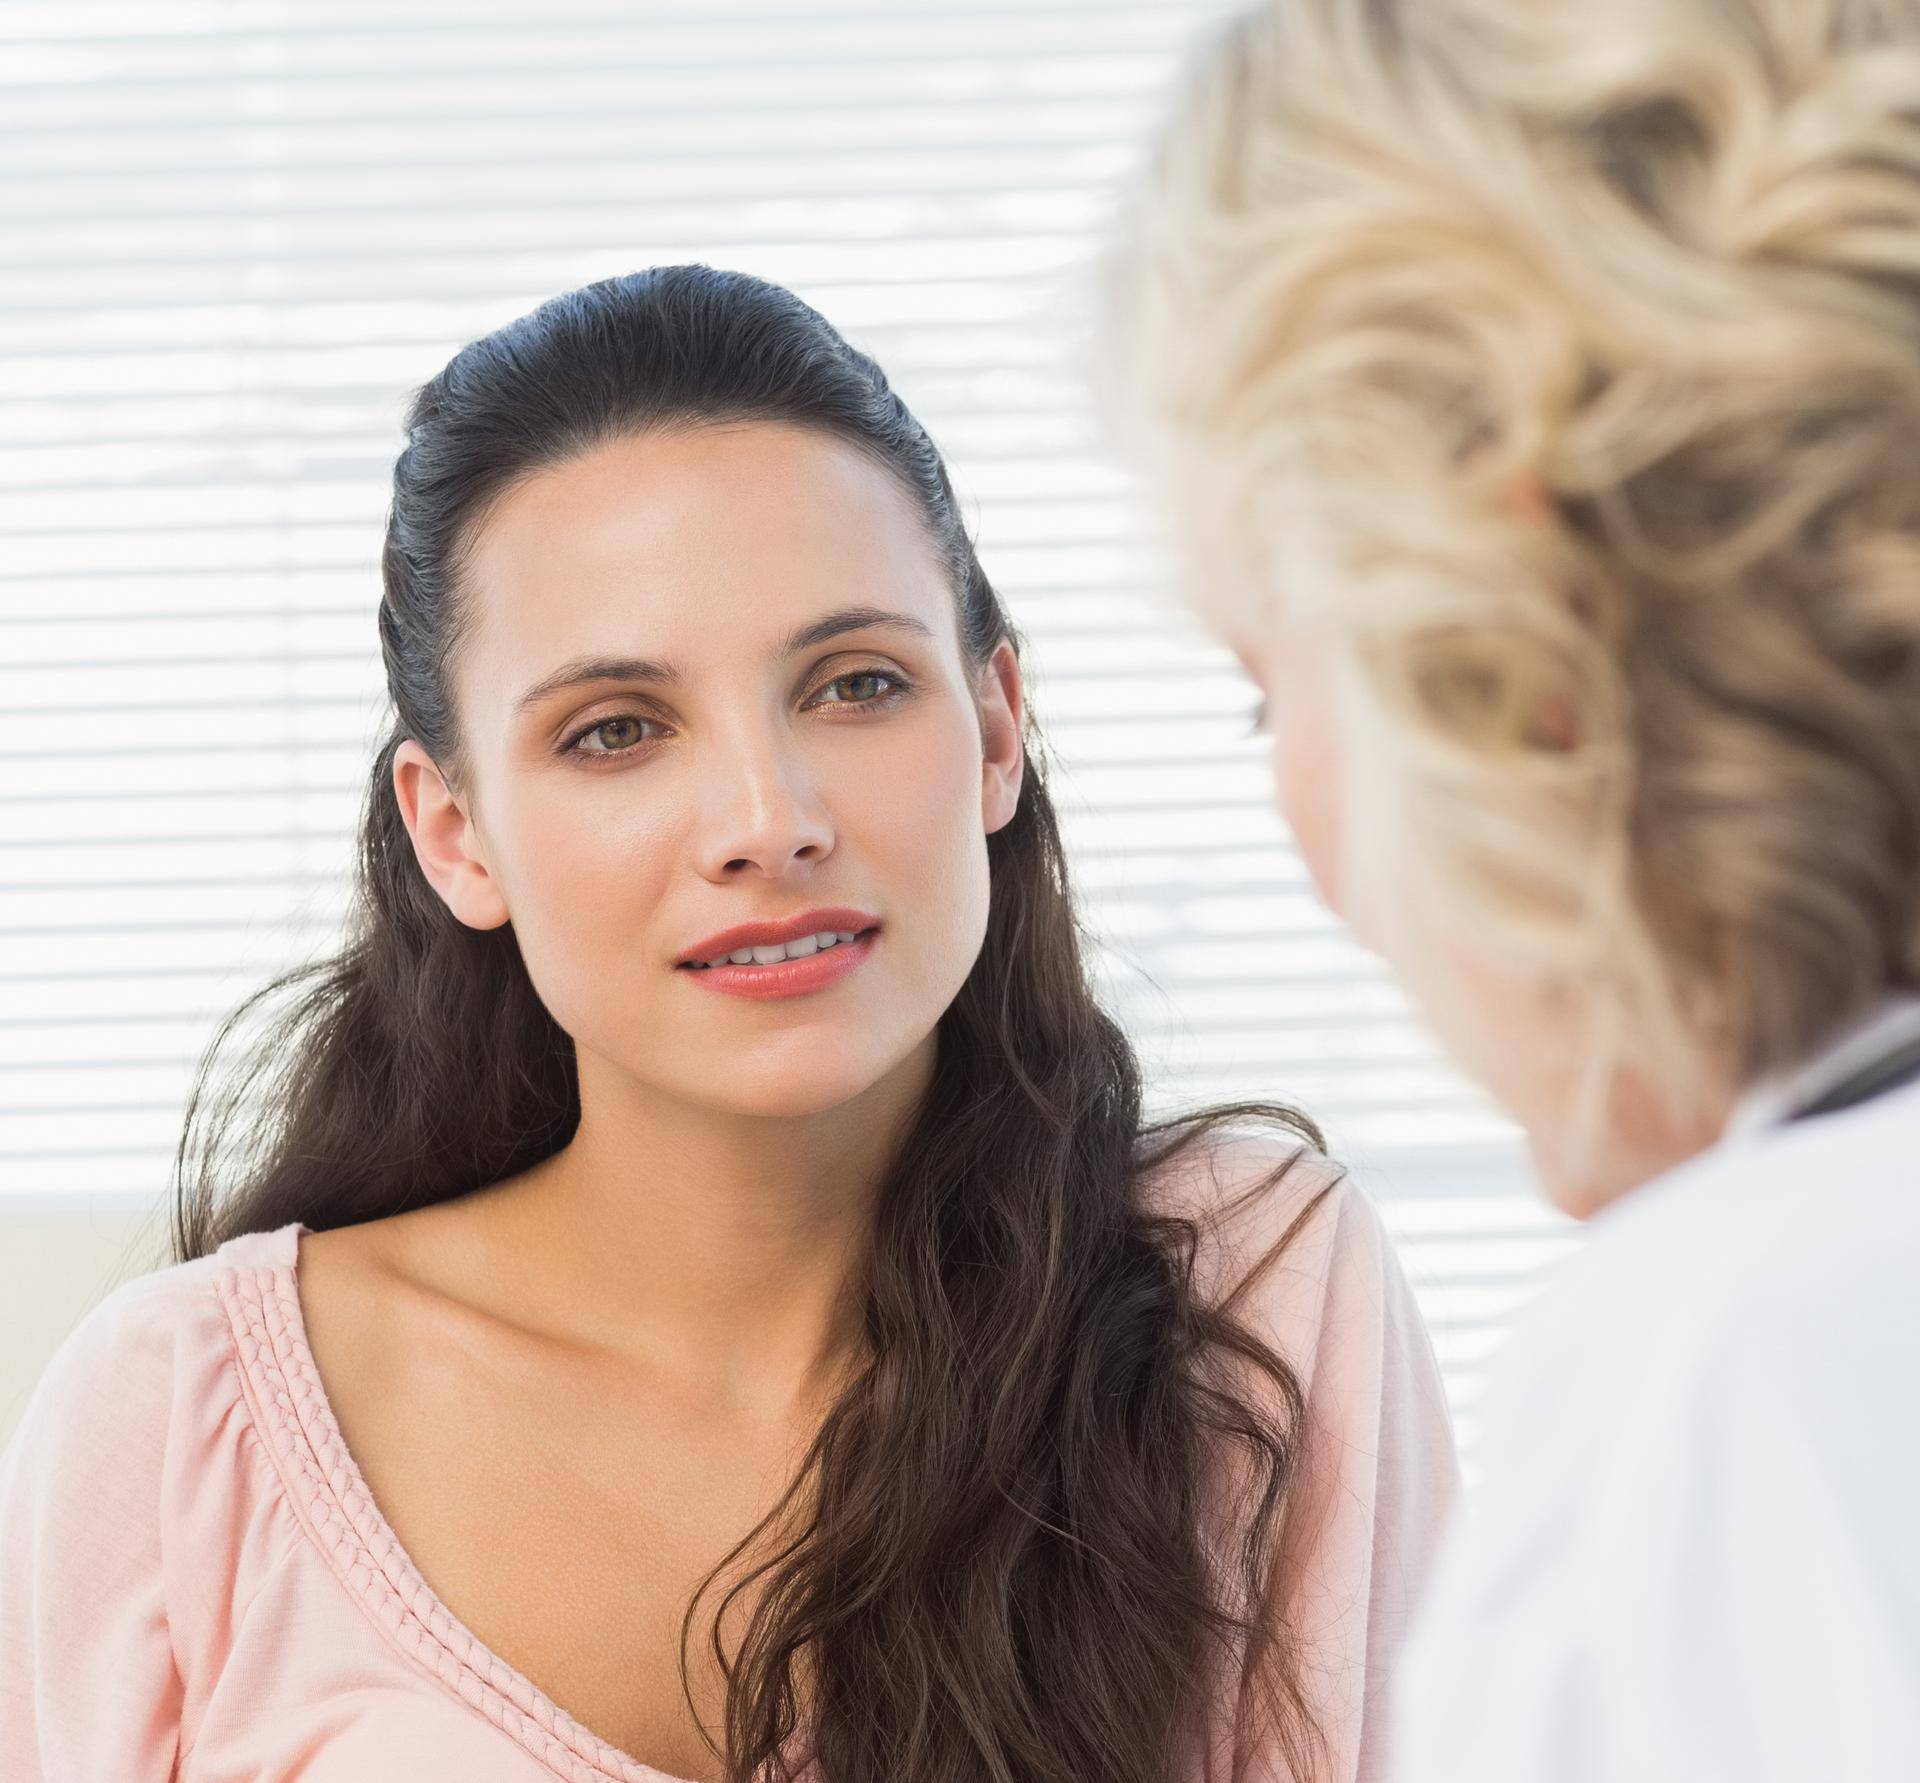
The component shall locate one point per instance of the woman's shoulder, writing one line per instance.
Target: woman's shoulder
(150, 1358)
(144, 1318)
(1801, 1240)
(1248, 1184)
(136, 1513)
(1295, 1250)
(1276, 1217)
(172, 1304)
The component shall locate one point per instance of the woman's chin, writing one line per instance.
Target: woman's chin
(1575, 1189)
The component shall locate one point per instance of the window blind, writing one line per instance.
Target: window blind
(234, 234)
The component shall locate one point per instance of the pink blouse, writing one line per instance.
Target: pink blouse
(197, 1587)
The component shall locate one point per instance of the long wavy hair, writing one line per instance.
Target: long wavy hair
(1008, 1570)
(1562, 362)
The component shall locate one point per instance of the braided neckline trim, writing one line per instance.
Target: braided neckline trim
(262, 1302)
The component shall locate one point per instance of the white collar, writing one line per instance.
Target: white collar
(1768, 1099)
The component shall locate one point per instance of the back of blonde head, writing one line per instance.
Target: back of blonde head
(1564, 361)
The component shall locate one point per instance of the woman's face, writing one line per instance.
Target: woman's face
(713, 678)
(1511, 1035)
(1293, 674)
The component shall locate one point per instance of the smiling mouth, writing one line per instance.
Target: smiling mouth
(770, 964)
(779, 953)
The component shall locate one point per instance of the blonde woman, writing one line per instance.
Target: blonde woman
(1538, 391)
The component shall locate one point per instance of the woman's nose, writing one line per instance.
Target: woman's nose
(762, 807)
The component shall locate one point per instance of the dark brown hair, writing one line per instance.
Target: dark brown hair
(1006, 1573)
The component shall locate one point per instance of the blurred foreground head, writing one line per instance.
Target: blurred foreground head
(1537, 390)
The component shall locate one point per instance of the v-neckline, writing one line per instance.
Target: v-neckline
(259, 1287)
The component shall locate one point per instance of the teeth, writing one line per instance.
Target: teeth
(787, 950)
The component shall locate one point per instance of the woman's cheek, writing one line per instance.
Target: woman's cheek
(1307, 772)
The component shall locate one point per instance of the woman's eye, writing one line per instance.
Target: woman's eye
(626, 722)
(634, 720)
(868, 686)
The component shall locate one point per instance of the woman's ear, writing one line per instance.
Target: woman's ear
(445, 841)
(1000, 700)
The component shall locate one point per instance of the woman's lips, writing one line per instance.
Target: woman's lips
(788, 978)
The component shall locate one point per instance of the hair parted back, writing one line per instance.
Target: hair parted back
(1563, 361)
(1008, 1569)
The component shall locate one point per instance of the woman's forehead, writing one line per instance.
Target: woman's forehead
(694, 547)
(690, 487)
(701, 530)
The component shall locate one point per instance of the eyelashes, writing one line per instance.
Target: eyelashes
(899, 689)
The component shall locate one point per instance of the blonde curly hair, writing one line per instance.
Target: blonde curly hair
(1563, 362)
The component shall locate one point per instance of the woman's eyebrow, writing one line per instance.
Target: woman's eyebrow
(644, 669)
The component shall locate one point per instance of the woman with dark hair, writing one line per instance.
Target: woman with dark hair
(688, 1289)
